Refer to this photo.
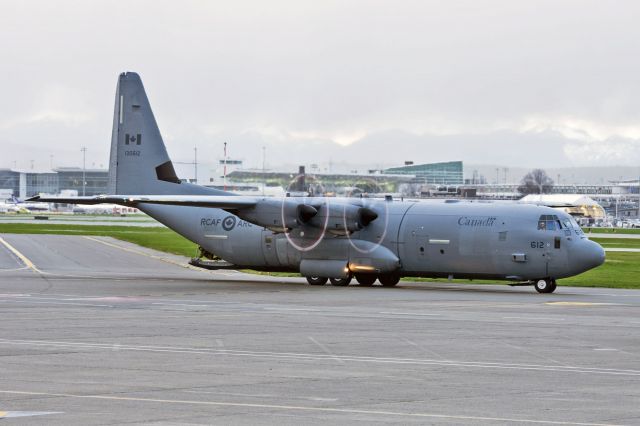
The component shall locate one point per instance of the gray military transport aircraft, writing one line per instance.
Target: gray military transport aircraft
(336, 239)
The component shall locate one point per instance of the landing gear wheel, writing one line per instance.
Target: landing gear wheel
(366, 280)
(340, 282)
(389, 280)
(545, 286)
(317, 280)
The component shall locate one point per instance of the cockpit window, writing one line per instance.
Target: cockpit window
(576, 227)
(569, 224)
(549, 222)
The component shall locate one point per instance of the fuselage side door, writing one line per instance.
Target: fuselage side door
(269, 248)
(414, 238)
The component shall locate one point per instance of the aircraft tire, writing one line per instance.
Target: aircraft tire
(366, 280)
(545, 285)
(317, 280)
(389, 280)
(340, 282)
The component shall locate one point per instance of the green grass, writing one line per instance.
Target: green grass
(621, 269)
(611, 230)
(618, 242)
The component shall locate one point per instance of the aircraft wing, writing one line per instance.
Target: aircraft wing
(215, 201)
(277, 214)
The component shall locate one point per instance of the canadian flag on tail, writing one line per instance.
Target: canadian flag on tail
(131, 139)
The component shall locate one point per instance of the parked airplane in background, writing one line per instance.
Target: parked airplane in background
(8, 208)
(337, 238)
(15, 206)
(112, 209)
(32, 206)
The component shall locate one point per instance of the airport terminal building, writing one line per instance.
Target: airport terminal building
(23, 184)
(448, 173)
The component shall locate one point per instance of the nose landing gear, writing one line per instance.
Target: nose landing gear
(546, 285)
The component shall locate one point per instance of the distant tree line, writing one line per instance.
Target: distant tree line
(536, 182)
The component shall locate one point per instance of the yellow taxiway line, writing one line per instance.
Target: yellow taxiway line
(24, 259)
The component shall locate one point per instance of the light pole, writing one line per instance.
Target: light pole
(264, 177)
(84, 168)
(225, 167)
(195, 164)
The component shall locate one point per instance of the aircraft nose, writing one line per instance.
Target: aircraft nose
(588, 255)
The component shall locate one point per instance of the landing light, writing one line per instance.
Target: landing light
(355, 268)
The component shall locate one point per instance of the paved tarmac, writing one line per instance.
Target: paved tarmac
(97, 331)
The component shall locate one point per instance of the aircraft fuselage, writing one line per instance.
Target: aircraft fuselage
(428, 239)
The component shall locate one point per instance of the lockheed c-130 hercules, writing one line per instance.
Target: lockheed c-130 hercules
(337, 238)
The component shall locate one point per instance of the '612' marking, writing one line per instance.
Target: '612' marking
(132, 153)
(537, 244)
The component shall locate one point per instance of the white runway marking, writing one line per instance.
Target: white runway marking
(331, 357)
(14, 269)
(304, 408)
(326, 350)
(262, 395)
(420, 314)
(535, 318)
(12, 414)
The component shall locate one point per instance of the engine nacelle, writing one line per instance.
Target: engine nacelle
(342, 219)
(282, 215)
(279, 215)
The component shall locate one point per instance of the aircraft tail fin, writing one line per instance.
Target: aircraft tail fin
(139, 163)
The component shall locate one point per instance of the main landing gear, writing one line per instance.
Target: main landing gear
(317, 280)
(366, 280)
(546, 285)
(340, 282)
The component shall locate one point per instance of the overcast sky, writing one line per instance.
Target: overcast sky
(520, 83)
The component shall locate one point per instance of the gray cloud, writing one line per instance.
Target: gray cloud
(492, 81)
